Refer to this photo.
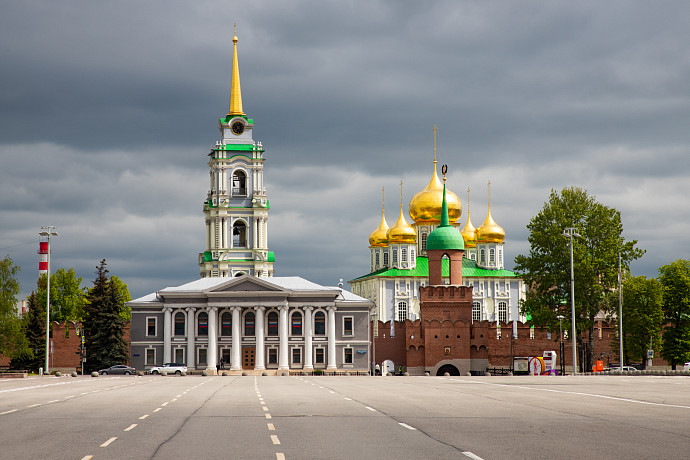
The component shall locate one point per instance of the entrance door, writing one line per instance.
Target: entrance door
(248, 358)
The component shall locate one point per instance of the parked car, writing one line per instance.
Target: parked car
(119, 369)
(625, 368)
(170, 368)
(686, 367)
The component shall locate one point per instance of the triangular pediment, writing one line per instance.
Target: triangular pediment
(246, 283)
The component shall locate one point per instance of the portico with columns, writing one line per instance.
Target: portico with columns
(253, 324)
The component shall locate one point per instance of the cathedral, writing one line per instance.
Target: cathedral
(239, 316)
(399, 264)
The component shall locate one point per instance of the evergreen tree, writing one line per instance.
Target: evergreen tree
(675, 277)
(34, 329)
(103, 323)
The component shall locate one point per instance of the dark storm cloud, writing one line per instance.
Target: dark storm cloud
(107, 112)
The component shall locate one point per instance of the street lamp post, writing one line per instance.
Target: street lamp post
(620, 309)
(560, 340)
(569, 233)
(374, 323)
(48, 231)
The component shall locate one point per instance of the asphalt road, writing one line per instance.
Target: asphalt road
(249, 417)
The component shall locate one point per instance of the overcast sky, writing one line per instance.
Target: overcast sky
(108, 111)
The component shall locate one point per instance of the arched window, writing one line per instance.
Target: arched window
(500, 256)
(482, 256)
(476, 311)
(492, 255)
(202, 324)
(377, 259)
(239, 183)
(239, 234)
(272, 318)
(320, 323)
(249, 323)
(402, 311)
(502, 311)
(226, 324)
(395, 256)
(296, 324)
(403, 255)
(412, 256)
(179, 323)
(424, 235)
(473, 256)
(385, 259)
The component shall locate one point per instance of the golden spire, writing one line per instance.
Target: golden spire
(235, 91)
(401, 232)
(378, 237)
(468, 231)
(490, 231)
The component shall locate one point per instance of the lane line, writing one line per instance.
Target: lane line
(109, 441)
(271, 427)
(157, 409)
(88, 457)
(268, 416)
(411, 428)
(131, 427)
(33, 405)
(165, 404)
(53, 401)
(143, 417)
(265, 408)
(280, 456)
(370, 408)
(471, 455)
(275, 439)
(8, 412)
(348, 399)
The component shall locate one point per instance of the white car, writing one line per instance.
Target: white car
(686, 367)
(170, 368)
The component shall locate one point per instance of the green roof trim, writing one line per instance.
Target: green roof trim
(271, 256)
(469, 269)
(207, 256)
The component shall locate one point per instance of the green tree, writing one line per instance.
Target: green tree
(103, 323)
(675, 277)
(34, 329)
(546, 269)
(67, 297)
(12, 340)
(643, 317)
(125, 296)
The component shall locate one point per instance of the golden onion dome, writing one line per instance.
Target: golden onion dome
(401, 232)
(490, 231)
(379, 237)
(468, 232)
(425, 206)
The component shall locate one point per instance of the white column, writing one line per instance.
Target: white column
(167, 330)
(331, 338)
(264, 233)
(283, 362)
(255, 232)
(259, 352)
(308, 319)
(191, 355)
(212, 355)
(236, 355)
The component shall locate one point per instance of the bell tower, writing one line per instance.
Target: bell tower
(236, 206)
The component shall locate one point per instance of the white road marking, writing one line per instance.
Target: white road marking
(615, 398)
(370, 408)
(280, 456)
(85, 393)
(109, 441)
(268, 416)
(331, 391)
(274, 438)
(131, 427)
(471, 455)
(34, 386)
(348, 399)
(407, 426)
(271, 427)
(54, 400)
(178, 396)
(262, 403)
(33, 405)
(265, 408)
(143, 417)
(88, 457)
(68, 397)
(165, 404)
(174, 399)
(157, 409)
(8, 411)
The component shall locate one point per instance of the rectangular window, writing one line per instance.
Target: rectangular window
(319, 356)
(179, 324)
(202, 356)
(179, 355)
(150, 356)
(347, 359)
(150, 326)
(225, 355)
(347, 326)
(272, 356)
(296, 355)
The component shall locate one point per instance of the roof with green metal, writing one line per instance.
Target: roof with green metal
(469, 269)
(445, 238)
